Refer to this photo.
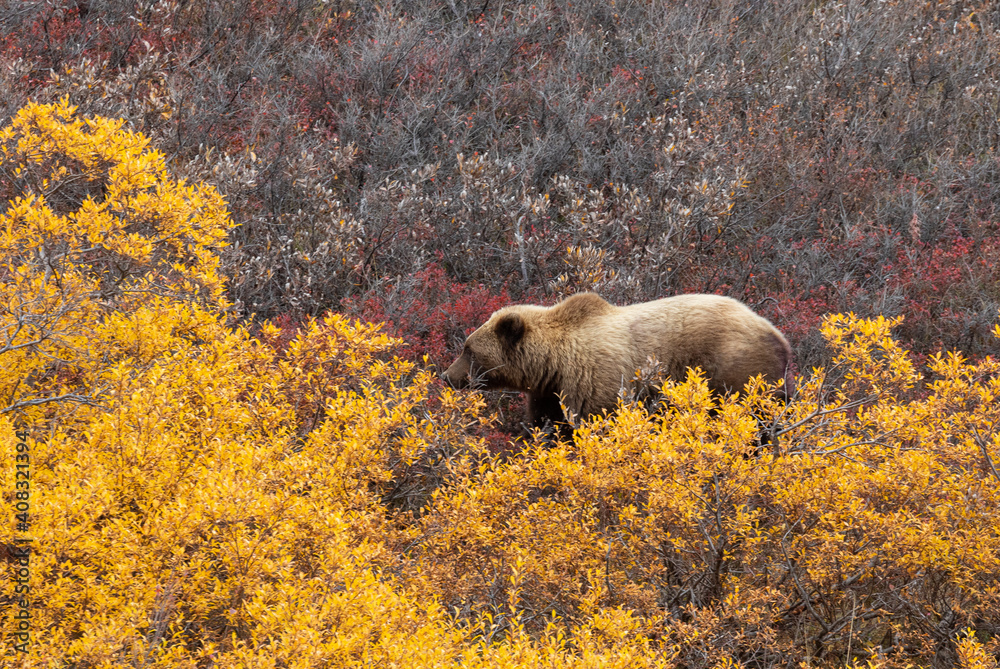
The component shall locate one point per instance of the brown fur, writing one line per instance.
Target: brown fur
(584, 349)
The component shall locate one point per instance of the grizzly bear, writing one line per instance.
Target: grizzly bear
(584, 350)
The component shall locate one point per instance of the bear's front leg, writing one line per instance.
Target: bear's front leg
(544, 410)
(545, 413)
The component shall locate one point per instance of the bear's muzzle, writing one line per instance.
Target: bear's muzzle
(457, 376)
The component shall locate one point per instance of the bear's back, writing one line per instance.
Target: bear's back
(721, 335)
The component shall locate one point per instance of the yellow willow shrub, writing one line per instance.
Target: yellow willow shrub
(871, 533)
(972, 655)
(205, 512)
(94, 225)
(193, 522)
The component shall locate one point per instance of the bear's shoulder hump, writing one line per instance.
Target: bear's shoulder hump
(580, 307)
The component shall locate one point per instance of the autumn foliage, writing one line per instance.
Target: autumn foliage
(805, 157)
(210, 492)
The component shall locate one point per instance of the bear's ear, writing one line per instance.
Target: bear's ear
(510, 329)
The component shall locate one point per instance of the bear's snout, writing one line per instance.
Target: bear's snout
(458, 384)
(457, 376)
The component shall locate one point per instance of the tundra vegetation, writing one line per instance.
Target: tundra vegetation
(240, 238)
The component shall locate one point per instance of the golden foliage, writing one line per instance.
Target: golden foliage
(100, 240)
(972, 655)
(218, 498)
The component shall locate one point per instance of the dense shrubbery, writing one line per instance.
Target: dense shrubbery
(212, 490)
(804, 157)
(207, 497)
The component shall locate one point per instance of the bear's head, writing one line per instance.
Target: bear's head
(489, 358)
